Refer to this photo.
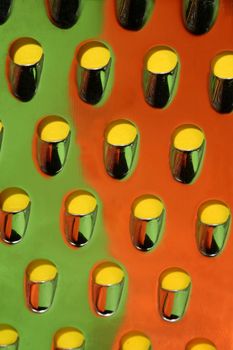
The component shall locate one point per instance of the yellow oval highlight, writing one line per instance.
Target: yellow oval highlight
(1, 126)
(121, 133)
(108, 274)
(26, 52)
(69, 338)
(175, 279)
(161, 60)
(80, 203)
(94, 55)
(135, 341)
(53, 129)
(200, 345)
(41, 271)
(8, 335)
(222, 65)
(188, 138)
(13, 200)
(214, 213)
(147, 207)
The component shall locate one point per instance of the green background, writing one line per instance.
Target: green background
(43, 238)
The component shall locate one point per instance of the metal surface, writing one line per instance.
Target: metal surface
(58, 94)
(173, 304)
(40, 295)
(146, 233)
(211, 239)
(5, 9)
(92, 82)
(13, 226)
(79, 228)
(221, 94)
(119, 160)
(133, 14)
(159, 88)
(186, 165)
(64, 13)
(200, 15)
(24, 80)
(106, 298)
(14, 346)
(51, 156)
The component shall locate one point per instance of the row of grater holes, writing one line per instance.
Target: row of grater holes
(128, 342)
(146, 223)
(199, 17)
(161, 62)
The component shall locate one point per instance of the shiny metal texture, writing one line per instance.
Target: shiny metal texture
(24, 78)
(221, 86)
(185, 164)
(51, 155)
(212, 237)
(146, 233)
(172, 302)
(119, 159)
(133, 14)
(64, 13)
(159, 87)
(200, 15)
(92, 82)
(13, 225)
(40, 294)
(106, 297)
(79, 227)
(5, 10)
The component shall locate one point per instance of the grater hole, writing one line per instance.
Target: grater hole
(8, 336)
(53, 138)
(221, 82)
(161, 69)
(80, 203)
(80, 217)
(222, 65)
(53, 129)
(135, 341)
(93, 55)
(175, 279)
(213, 213)
(108, 273)
(120, 147)
(26, 52)
(161, 60)
(200, 344)
(107, 287)
(187, 153)
(147, 207)
(13, 200)
(41, 270)
(213, 227)
(174, 293)
(40, 285)
(26, 62)
(94, 61)
(68, 338)
(147, 222)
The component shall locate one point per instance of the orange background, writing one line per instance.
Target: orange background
(210, 310)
